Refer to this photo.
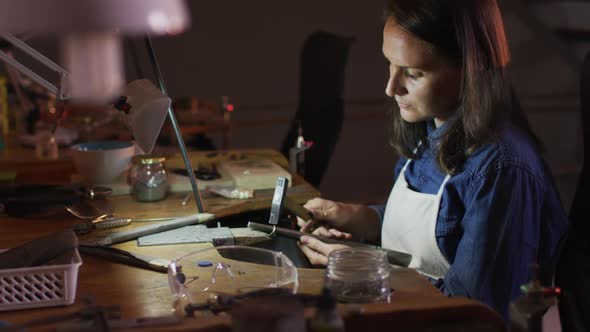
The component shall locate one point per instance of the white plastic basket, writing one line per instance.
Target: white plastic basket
(39, 286)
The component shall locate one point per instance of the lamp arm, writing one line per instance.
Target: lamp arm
(57, 90)
(175, 126)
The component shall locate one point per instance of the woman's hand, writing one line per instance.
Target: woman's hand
(328, 214)
(356, 219)
(317, 251)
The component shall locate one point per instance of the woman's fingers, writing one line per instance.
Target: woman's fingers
(315, 258)
(320, 208)
(338, 234)
(316, 250)
(316, 204)
(317, 245)
(323, 231)
(331, 233)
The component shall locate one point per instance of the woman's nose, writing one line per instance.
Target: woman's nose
(395, 86)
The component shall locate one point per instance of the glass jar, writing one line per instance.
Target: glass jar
(148, 178)
(358, 275)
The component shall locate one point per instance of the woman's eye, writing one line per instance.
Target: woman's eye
(413, 75)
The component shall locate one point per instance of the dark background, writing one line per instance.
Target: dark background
(249, 51)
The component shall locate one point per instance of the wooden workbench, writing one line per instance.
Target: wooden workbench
(141, 293)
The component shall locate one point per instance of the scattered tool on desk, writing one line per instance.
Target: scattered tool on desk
(125, 257)
(135, 233)
(395, 257)
(105, 221)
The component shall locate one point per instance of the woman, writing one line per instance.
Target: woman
(473, 201)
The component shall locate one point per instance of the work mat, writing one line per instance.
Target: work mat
(189, 234)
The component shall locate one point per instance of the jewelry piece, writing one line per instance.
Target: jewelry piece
(274, 229)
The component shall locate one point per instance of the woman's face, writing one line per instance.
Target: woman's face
(422, 82)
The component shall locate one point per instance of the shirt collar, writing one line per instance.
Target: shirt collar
(433, 133)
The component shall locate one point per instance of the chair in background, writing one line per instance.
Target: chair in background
(573, 269)
(320, 111)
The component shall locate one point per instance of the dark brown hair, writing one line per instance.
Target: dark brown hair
(468, 34)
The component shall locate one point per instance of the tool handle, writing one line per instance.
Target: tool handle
(112, 223)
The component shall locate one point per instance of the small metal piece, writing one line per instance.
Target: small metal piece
(186, 199)
(101, 218)
(274, 230)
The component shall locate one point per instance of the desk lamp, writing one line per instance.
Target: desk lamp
(89, 32)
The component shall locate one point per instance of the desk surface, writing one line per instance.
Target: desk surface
(142, 293)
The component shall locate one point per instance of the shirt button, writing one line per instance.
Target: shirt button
(422, 179)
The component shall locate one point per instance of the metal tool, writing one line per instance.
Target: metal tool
(395, 257)
(125, 257)
(175, 126)
(277, 200)
(105, 221)
(152, 229)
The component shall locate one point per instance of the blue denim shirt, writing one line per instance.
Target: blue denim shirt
(498, 214)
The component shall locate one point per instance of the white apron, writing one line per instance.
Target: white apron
(409, 226)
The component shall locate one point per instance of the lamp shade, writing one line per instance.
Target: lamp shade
(125, 16)
(90, 32)
(147, 112)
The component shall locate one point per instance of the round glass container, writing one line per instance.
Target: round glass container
(148, 178)
(358, 275)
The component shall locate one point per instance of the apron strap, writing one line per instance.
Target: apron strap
(442, 186)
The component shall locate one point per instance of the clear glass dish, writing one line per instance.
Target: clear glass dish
(199, 277)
